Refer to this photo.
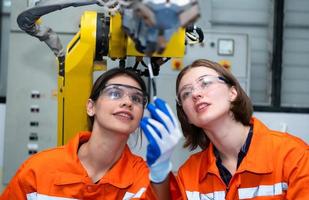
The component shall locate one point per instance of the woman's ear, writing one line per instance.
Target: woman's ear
(233, 94)
(90, 107)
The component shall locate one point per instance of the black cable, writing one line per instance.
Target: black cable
(154, 87)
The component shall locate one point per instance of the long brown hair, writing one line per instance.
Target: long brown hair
(241, 107)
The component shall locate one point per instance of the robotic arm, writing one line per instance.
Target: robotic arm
(138, 28)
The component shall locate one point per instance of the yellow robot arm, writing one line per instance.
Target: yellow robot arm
(75, 80)
(135, 29)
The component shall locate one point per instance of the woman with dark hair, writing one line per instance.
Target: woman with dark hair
(241, 158)
(96, 164)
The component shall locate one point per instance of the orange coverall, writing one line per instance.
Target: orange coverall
(276, 167)
(58, 174)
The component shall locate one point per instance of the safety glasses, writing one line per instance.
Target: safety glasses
(119, 91)
(203, 83)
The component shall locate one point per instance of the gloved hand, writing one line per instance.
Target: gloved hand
(163, 133)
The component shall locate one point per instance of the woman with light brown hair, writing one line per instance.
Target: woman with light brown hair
(240, 157)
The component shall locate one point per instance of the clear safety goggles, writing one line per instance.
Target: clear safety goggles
(203, 83)
(119, 91)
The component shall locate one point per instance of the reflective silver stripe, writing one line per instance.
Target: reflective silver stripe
(32, 196)
(217, 195)
(36, 196)
(193, 195)
(129, 195)
(262, 190)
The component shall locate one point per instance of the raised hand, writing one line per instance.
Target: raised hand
(163, 133)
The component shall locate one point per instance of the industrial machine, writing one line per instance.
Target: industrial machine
(126, 28)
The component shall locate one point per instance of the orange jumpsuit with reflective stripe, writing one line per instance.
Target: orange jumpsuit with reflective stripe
(276, 167)
(58, 174)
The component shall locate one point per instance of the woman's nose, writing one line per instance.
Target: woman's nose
(196, 94)
(126, 101)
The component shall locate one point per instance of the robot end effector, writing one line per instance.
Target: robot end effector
(151, 25)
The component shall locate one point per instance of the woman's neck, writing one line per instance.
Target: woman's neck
(228, 136)
(101, 152)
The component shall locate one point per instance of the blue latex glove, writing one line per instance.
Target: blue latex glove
(163, 133)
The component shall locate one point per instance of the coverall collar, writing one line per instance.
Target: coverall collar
(118, 175)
